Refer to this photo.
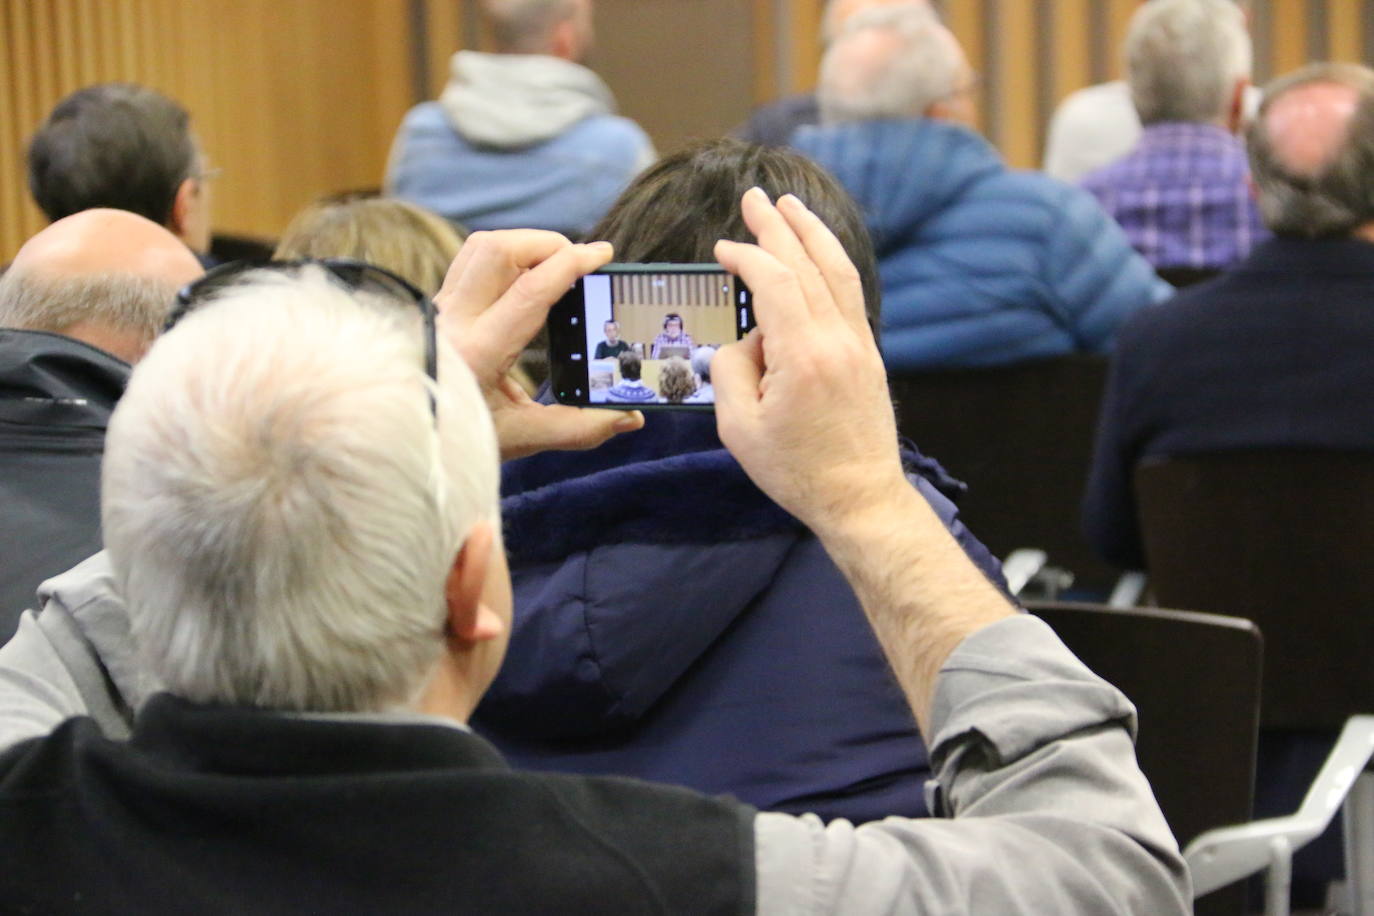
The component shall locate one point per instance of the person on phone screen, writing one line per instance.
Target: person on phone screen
(674, 335)
(631, 389)
(701, 368)
(612, 346)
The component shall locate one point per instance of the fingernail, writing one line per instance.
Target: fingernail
(601, 246)
(757, 192)
(630, 421)
(791, 200)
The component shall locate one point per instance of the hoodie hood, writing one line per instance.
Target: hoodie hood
(901, 172)
(509, 101)
(629, 562)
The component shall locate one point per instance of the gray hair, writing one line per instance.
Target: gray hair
(922, 68)
(280, 504)
(1183, 58)
(701, 362)
(525, 26)
(42, 301)
(1339, 196)
(838, 12)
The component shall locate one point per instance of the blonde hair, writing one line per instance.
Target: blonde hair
(407, 240)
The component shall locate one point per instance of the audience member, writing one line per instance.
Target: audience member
(612, 346)
(630, 389)
(1182, 194)
(773, 124)
(1097, 125)
(81, 302)
(664, 604)
(701, 368)
(673, 335)
(124, 147)
(316, 669)
(980, 265)
(525, 137)
(675, 381)
(407, 240)
(1274, 352)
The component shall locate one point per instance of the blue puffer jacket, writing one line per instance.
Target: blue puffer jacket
(673, 623)
(980, 265)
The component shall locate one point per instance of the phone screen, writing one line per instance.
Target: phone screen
(643, 335)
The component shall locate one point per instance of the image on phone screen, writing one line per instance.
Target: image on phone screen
(644, 335)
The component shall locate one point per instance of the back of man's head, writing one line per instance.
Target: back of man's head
(106, 277)
(558, 27)
(838, 12)
(889, 62)
(630, 366)
(281, 505)
(1184, 59)
(113, 145)
(1312, 151)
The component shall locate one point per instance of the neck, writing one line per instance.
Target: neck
(1364, 233)
(448, 692)
(125, 345)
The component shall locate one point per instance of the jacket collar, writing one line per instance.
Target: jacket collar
(1317, 257)
(54, 380)
(238, 741)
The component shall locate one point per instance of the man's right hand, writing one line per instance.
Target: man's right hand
(803, 401)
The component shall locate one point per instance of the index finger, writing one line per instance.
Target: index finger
(489, 262)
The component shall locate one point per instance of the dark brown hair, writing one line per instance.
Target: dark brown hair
(677, 209)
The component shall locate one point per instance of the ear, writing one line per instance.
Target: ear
(1235, 117)
(563, 41)
(182, 205)
(469, 620)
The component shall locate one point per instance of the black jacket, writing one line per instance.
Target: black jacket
(56, 397)
(222, 810)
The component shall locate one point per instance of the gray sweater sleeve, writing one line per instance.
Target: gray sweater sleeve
(1045, 808)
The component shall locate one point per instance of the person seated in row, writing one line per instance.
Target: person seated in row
(675, 381)
(77, 609)
(630, 390)
(701, 368)
(307, 538)
(624, 662)
(673, 335)
(612, 346)
(416, 245)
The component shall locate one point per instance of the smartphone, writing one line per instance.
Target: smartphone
(642, 335)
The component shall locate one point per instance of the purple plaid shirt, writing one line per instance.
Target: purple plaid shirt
(1182, 198)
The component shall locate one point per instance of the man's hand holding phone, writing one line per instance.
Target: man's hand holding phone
(496, 296)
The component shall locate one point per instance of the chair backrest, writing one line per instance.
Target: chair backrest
(1195, 681)
(1021, 437)
(1285, 538)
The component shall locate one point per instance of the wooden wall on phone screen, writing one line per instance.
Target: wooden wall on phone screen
(297, 98)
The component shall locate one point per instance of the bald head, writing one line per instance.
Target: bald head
(106, 277)
(896, 61)
(1312, 151)
(839, 12)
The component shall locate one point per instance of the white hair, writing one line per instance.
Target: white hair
(526, 26)
(36, 300)
(921, 65)
(701, 361)
(1184, 57)
(281, 506)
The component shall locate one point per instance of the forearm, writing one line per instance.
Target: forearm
(921, 593)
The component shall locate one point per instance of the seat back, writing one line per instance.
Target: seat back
(1285, 538)
(1021, 437)
(1195, 682)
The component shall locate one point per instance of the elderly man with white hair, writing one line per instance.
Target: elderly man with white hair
(301, 512)
(525, 137)
(1182, 194)
(980, 265)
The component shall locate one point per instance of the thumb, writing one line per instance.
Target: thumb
(736, 374)
(542, 427)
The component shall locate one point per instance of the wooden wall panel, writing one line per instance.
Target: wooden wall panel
(293, 98)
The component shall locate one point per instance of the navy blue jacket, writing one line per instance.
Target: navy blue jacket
(980, 265)
(1275, 353)
(673, 623)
